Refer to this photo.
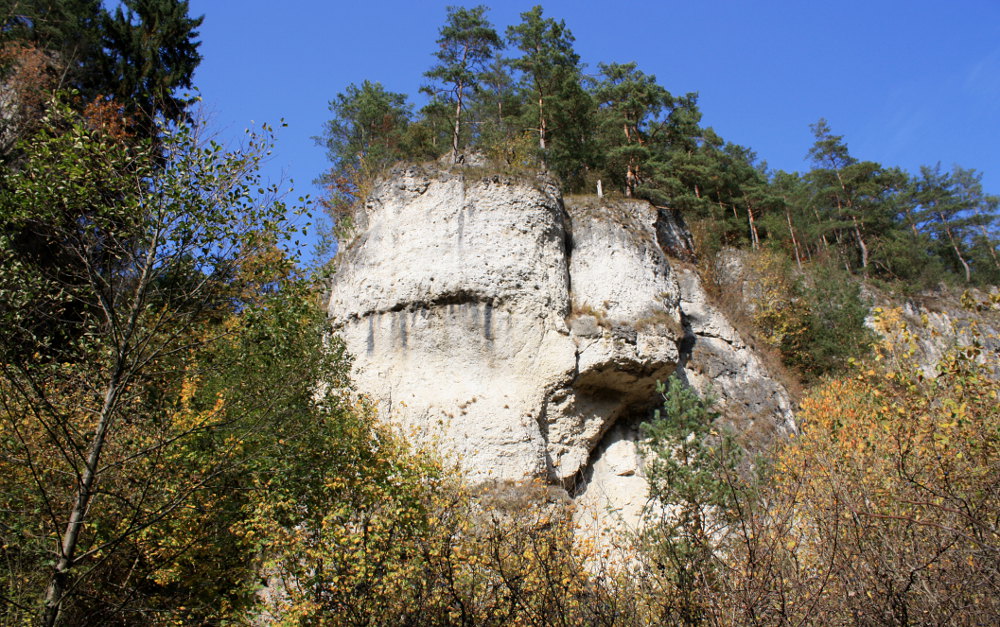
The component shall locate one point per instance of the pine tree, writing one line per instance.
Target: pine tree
(547, 61)
(952, 209)
(368, 126)
(497, 107)
(690, 467)
(467, 44)
(853, 195)
(367, 133)
(632, 105)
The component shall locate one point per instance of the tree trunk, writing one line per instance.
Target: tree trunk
(542, 126)
(795, 242)
(861, 245)
(754, 238)
(958, 253)
(631, 180)
(71, 536)
(819, 221)
(913, 225)
(120, 375)
(458, 124)
(989, 244)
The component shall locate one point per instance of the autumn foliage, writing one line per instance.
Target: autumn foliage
(180, 442)
(884, 509)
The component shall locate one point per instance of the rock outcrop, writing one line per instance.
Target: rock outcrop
(930, 325)
(524, 334)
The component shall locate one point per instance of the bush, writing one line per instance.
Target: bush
(690, 468)
(835, 328)
(883, 510)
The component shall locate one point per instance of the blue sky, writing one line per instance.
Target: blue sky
(906, 83)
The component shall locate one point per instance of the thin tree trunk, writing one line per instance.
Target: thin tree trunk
(795, 242)
(819, 220)
(457, 133)
(861, 245)
(989, 244)
(854, 219)
(913, 225)
(458, 127)
(71, 536)
(630, 174)
(958, 253)
(754, 238)
(56, 590)
(542, 125)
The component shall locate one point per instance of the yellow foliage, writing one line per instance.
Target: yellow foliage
(889, 491)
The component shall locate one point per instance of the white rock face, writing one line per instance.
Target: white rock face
(524, 337)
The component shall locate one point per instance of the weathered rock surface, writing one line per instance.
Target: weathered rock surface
(936, 321)
(525, 335)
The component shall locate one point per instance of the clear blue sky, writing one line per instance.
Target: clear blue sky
(905, 82)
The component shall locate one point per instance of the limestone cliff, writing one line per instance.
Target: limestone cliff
(524, 333)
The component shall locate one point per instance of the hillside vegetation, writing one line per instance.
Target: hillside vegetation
(537, 108)
(180, 442)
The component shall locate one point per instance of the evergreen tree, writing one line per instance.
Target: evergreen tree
(954, 212)
(793, 195)
(45, 45)
(69, 30)
(573, 150)
(556, 107)
(691, 469)
(367, 133)
(467, 44)
(748, 190)
(497, 108)
(982, 219)
(706, 177)
(631, 113)
(137, 57)
(151, 53)
(437, 124)
(368, 128)
(853, 195)
(549, 64)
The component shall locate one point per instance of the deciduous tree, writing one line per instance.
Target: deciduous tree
(100, 418)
